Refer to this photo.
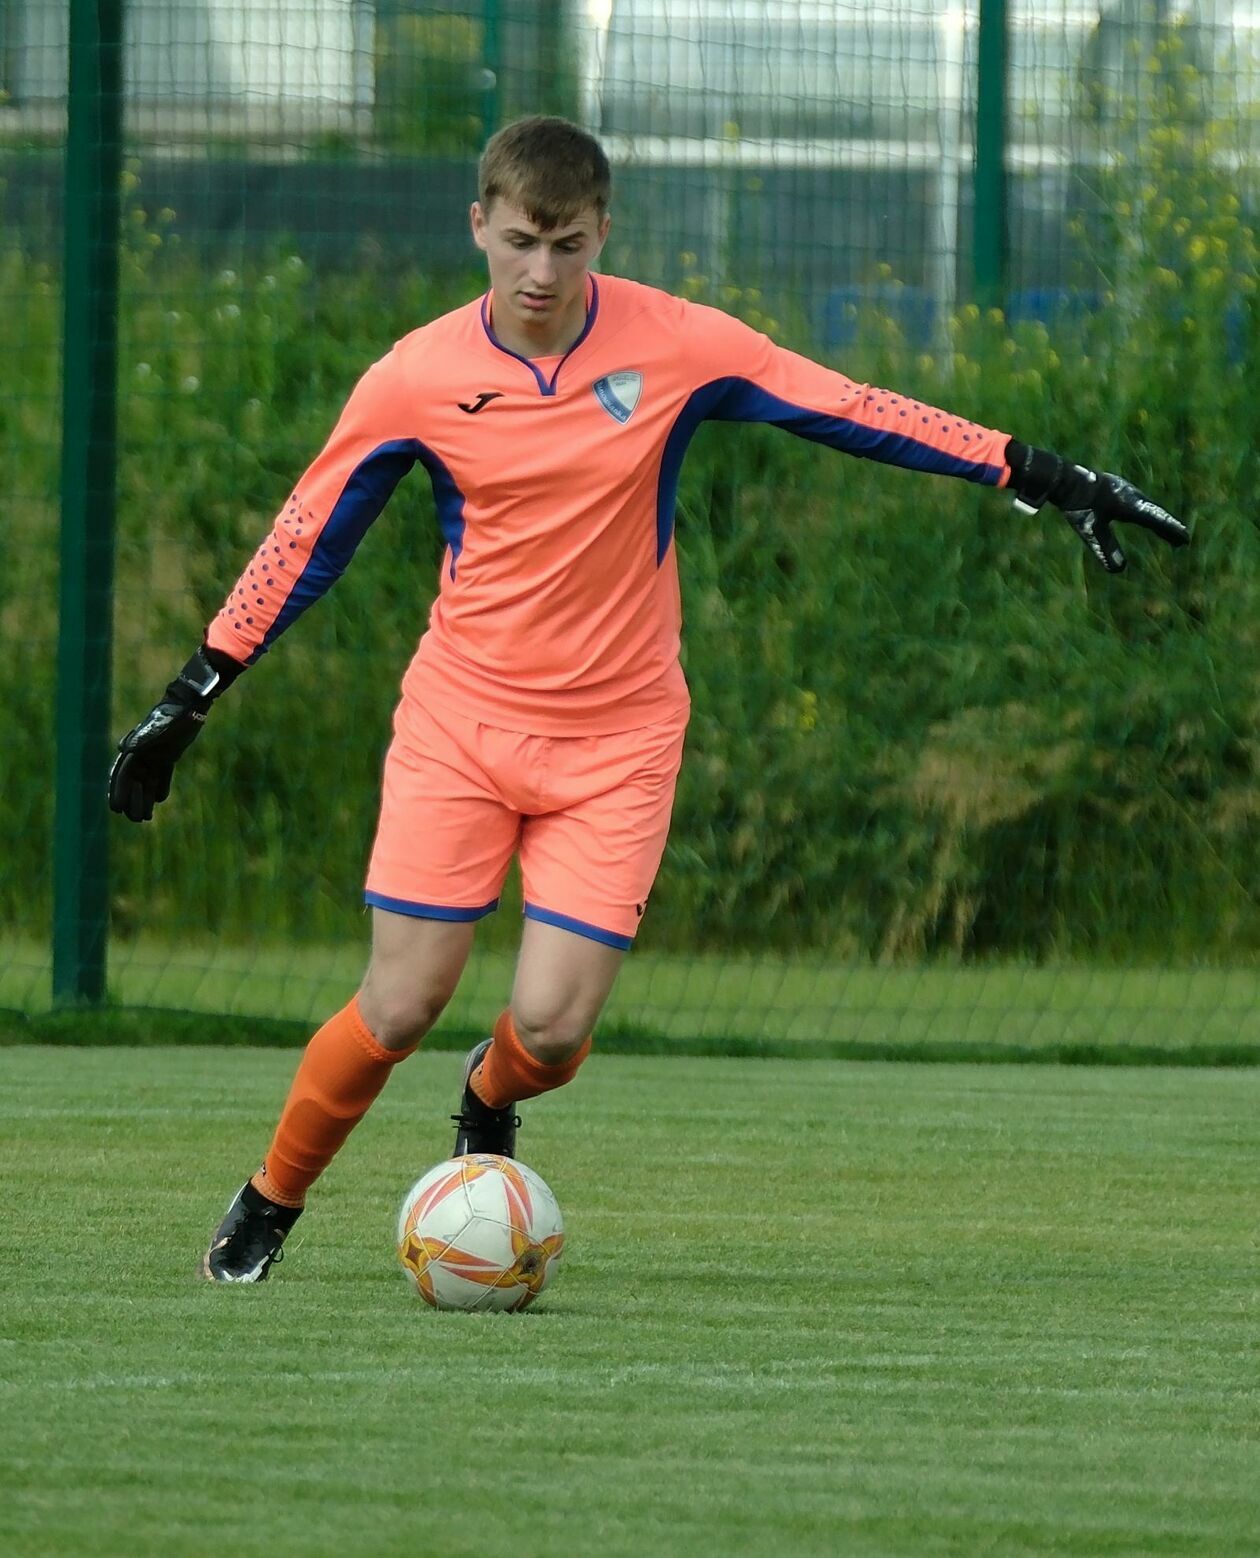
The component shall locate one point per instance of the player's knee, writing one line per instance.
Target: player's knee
(552, 1037)
(398, 1019)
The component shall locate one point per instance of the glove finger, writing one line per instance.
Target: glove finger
(1099, 538)
(1106, 548)
(162, 784)
(139, 808)
(119, 783)
(1135, 508)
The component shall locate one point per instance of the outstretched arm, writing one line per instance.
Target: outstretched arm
(328, 513)
(751, 379)
(307, 549)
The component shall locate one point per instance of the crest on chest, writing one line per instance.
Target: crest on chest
(619, 393)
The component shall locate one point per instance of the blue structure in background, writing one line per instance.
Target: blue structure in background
(915, 311)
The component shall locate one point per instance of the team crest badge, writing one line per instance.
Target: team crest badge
(619, 393)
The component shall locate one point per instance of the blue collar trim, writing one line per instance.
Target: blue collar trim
(545, 386)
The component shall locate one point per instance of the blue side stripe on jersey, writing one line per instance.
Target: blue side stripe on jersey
(366, 492)
(429, 911)
(734, 399)
(610, 938)
(698, 408)
(447, 498)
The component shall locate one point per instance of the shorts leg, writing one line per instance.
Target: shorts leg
(588, 865)
(446, 833)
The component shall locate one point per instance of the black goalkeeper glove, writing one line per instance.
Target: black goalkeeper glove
(1090, 503)
(141, 775)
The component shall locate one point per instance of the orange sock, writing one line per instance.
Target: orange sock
(509, 1072)
(341, 1071)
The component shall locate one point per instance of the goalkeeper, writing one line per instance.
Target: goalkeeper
(544, 711)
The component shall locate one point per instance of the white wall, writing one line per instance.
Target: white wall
(306, 53)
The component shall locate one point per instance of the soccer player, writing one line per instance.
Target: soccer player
(543, 713)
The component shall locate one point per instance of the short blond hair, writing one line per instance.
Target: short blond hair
(550, 168)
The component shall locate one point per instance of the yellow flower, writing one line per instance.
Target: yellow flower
(1197, 248)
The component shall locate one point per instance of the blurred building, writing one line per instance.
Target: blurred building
(248, 64)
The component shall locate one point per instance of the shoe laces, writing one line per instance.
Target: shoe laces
(469, 1122)
(254, 1232)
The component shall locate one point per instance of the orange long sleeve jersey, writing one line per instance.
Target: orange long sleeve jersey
(555, 479)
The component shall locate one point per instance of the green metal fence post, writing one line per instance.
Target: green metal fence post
(990, 239)
(492, 69)
(88, 463)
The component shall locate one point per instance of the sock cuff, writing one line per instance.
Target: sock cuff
(546, 1076)
(265, 1185)
(366, 1039)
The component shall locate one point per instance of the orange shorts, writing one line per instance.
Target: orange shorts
(588, 815)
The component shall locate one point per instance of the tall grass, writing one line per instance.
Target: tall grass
(923, 724)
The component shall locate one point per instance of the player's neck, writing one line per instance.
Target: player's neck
(545, 338)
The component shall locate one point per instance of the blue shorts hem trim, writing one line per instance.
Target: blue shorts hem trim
(610, 938)
(429, 911)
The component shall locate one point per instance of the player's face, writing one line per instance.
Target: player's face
(538, 275)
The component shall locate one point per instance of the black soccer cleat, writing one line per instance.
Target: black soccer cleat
(247, 1242)
(479, 1127)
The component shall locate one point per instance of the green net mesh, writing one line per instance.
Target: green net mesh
(942, 779)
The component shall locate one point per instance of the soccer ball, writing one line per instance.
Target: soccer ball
(480, 1232)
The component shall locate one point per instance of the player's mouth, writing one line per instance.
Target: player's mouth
(537, 301)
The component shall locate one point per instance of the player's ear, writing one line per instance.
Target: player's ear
(477, 218)
(601, 232)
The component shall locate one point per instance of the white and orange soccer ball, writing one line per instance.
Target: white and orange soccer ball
(480, 1232)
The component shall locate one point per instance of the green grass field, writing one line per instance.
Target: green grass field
(806, 1308)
